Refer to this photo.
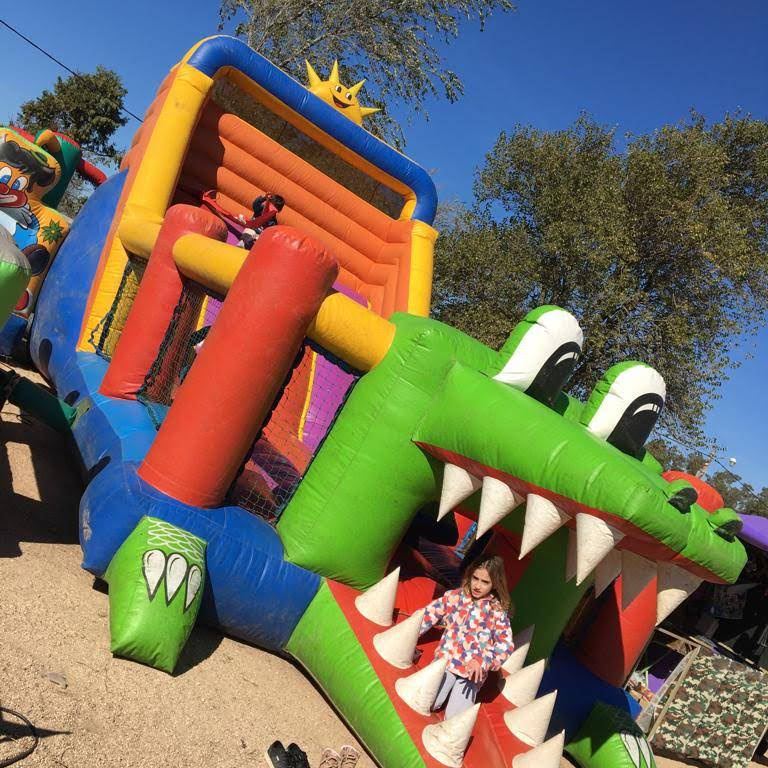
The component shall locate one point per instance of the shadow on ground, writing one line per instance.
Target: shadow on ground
(48, 513)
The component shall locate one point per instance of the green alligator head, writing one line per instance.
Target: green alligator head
(444, 416)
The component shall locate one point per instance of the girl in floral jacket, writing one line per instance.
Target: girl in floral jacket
(477, 636)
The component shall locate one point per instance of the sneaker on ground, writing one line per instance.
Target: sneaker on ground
(297, 757)
(349, 757)
(277, 756)
(330, 759)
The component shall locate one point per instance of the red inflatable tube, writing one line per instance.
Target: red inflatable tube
(234, 381)
(155, 301)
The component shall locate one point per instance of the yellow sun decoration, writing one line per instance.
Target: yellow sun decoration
(332, 92)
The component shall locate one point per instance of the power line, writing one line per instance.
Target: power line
(60, 63)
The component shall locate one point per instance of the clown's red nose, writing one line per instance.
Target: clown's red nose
(4, 188)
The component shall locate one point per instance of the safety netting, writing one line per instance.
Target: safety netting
(300, 419)
(106, 333)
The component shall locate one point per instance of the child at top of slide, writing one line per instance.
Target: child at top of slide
(477, 636)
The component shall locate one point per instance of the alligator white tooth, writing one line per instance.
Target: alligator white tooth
(194, 580)
(175, 573)
(458, 484)
(447, 741)
(530, 723)
(377, 603)
(629, 740)
(542, 519)
(546, 756)
(570, 556)
(607, 570)
(673, 585)
(397, 644)
(636, 574)
(594, 540)
(497, 501)
(153, 566)
(516, 660)
(419, 690)
(645, 750)
(522, 687)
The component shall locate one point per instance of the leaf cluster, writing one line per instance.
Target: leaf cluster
(390, 43)
(661, 251)
(86, 106)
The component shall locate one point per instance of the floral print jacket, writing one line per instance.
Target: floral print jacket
(474, 629)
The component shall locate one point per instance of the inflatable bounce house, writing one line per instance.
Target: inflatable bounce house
(278, 437)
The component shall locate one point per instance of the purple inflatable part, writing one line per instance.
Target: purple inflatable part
(329, 387)
(755, 531)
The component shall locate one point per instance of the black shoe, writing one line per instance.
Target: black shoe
(278, 757)
(297, 757)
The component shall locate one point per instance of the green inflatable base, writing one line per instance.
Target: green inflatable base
(156, 582)
(610, 738)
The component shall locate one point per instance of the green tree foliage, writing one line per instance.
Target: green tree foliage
(89, 108)
(388, 42)
(660, 251)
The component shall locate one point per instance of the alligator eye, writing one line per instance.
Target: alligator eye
(540, 354)
(625, 405)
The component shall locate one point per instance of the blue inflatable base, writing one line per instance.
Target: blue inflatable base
(578, 691)
(12, 338)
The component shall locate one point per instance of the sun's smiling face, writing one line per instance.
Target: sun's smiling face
(339, 96)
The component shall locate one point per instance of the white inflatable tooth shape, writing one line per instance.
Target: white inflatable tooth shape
(629, 740)
(530, 723)
(419, 690)
(521, 688)
(153, 566)
(497, 501)
(673, 586)
(607, 570)
(516, 660)
(175, 573)
(398, 643)
(377, 604)
(447, 741)
(458, 485)
(645, 750)
(594, 540)
(194, 580)
(636, 574)
(542, 519)
(546, 756)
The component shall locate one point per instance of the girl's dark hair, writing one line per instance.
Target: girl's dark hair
(495, 567)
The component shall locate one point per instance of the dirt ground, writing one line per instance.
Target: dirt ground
(226, 702)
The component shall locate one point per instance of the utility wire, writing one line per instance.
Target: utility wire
(60, 63)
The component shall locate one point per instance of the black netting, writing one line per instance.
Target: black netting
(176, 354)
(107, 331)
(301, 417)
(304, 412)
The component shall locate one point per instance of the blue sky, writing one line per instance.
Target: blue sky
(635, 66)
